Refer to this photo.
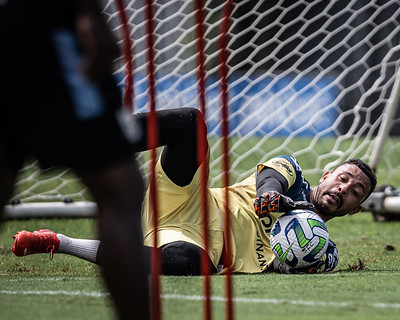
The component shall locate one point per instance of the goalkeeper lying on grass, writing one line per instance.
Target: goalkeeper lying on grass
(277, 186)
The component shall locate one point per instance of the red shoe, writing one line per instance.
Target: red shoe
(42, 241)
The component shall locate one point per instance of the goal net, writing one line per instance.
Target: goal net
(313, 79)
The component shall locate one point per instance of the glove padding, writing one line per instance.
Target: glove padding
(332, 256)
(331, 261)
(281, 267)
(273, 201)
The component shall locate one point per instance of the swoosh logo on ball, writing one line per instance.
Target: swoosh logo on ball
(283, 257)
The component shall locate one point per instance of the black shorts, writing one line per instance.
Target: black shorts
(51, 111)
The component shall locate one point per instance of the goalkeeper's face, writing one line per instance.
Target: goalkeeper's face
(341, 192)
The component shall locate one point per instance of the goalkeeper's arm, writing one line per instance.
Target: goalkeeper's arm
(269, 179)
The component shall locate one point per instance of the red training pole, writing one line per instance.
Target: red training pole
(128, 56)
(152, 134)
(225, 149)
(202, 153)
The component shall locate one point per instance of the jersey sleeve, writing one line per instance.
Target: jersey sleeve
(283, 165)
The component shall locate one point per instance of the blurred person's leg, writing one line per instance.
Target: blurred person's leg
(119, 193)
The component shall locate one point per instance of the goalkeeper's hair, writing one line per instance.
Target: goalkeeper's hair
(366, 169)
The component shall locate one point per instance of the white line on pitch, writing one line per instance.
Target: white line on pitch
(57, 293)
(32, 279)
(281, 301)
(201, 298)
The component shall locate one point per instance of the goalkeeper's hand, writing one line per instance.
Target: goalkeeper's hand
(331, 261)
(332, 256)
(281, 267)
(273, 201)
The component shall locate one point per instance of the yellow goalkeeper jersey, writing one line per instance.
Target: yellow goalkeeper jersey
(180, 218)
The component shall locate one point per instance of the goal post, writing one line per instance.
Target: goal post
(313, 79)
(387, 121)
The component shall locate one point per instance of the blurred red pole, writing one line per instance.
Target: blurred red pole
(202, 152)
(128, 56)
(152, 134)
(225, 149)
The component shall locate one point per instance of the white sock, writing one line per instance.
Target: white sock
(81, 248)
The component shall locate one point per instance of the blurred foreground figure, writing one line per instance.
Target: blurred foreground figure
(60, 104)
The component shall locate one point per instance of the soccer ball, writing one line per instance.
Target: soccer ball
(299, 238)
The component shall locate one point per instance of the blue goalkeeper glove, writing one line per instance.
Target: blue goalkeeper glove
(332, 256)
(281, 267)
(273, 201)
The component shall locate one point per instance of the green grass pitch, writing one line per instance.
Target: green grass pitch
(365, 284)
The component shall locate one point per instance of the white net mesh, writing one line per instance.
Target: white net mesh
(306, 78)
